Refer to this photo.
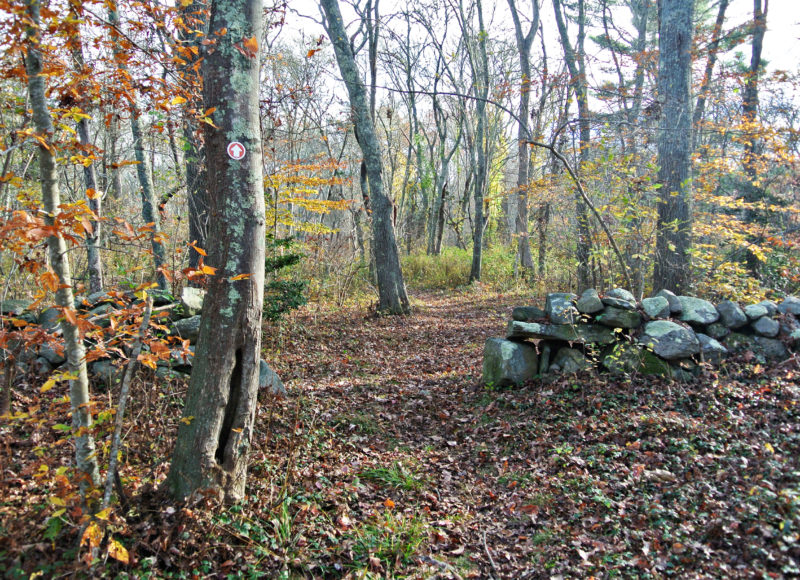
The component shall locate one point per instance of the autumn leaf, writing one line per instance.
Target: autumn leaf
(208, 270)
(187, 420)
(118, 552)
(239, 277)
(251, 45)
(178, 100)
(388, 503)
(92, 536)
(92, 193)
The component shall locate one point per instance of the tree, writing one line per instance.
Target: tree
(392, 296)
(217, 425)
(674, 227)
(524, 43)
(85, 456)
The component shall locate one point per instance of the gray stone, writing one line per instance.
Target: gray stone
(675, 305)
(669, 340)
(161, 297)
(583, 333)
(755, 311)
(268, 379)
(14, 307)
(507, 363)
(731, 314)
(589, 302)
(192, 300)
(97, 297)
(526, 313)
(544, 356)
(766, 326)
(682, 375)
(626, 358)
(710, 348)
(42, 366)
(772, 308)
(771, 348)
(619, 318)
(571, 360)
(790, 305)
(697, 311)
(49, 353)
(188, 328)
(560, 308)
(49, 319)
(178, 359)
(620, 298)
(99, 314)
(107, 372)
(171, 374)
(656, 307)
(795, 335)
(718, 330)
(738, 342)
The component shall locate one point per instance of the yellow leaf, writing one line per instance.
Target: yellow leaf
(118, 552)
(251, 44)
(187, 420)
(185, 3)
(240, 277)
(103, 515)
(49, 384)
(55, 500)
(208, 270)
(177, 100)
(91, 193)
(769, 448)
(92, 536)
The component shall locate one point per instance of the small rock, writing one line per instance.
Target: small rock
(675, 305)
(14, 307)
(697, 311)
(731, 314)
(544, 357)
(97, 297)
(656, 307)
(738, 342)
(269, 379)
(589, 302)
(107, 372)
(711, 349)
(527, 313)
(188, 328)
(626, 358)
(192, 300)
(755, 311)
(49, 353)
(620, 298)
(560, 309)
(718, 330)
(171, 374)
(790, 305)
(571, 360)
(771, 348)
(507, 363)
(766, 326)
(49, 319)
(772, 308)
(614, 317)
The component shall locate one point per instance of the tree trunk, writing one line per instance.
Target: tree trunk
(576, 63)
(392, 296)
(524, 43)
(143, 171)
(218, 420)
(674, 228)
(85, 456)
(713, 50)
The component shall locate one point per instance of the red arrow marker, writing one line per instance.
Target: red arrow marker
(236, 150)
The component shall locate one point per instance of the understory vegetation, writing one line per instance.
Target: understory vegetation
(389, 458)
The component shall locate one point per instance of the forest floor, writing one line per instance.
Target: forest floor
(389, 458)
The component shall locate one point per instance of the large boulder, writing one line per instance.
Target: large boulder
(507, 363)
(583, 333)
(52, 356)
(697, 311)
(526, 313)
(717, 330)
(50, 318)
(669, 340)
(771, 348)
(614, 317)
(14, 307)
(755, 311)
(710, 348)
(589, 302)
(656, 307)
(731, 314)
(772, 308)
(560, 307)
(620, 298)
(188, 328)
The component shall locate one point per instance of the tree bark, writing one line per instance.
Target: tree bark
(86, 460)
(524, 43)
(713, 50)
(217, 426)
(144, 173)
(392, 298)
(674, 227)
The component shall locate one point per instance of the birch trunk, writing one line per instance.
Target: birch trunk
(85, 458)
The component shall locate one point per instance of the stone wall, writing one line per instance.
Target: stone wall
(665, 335)
(180, 318)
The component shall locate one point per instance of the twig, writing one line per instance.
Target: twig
(491, 560)
(123, 400)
